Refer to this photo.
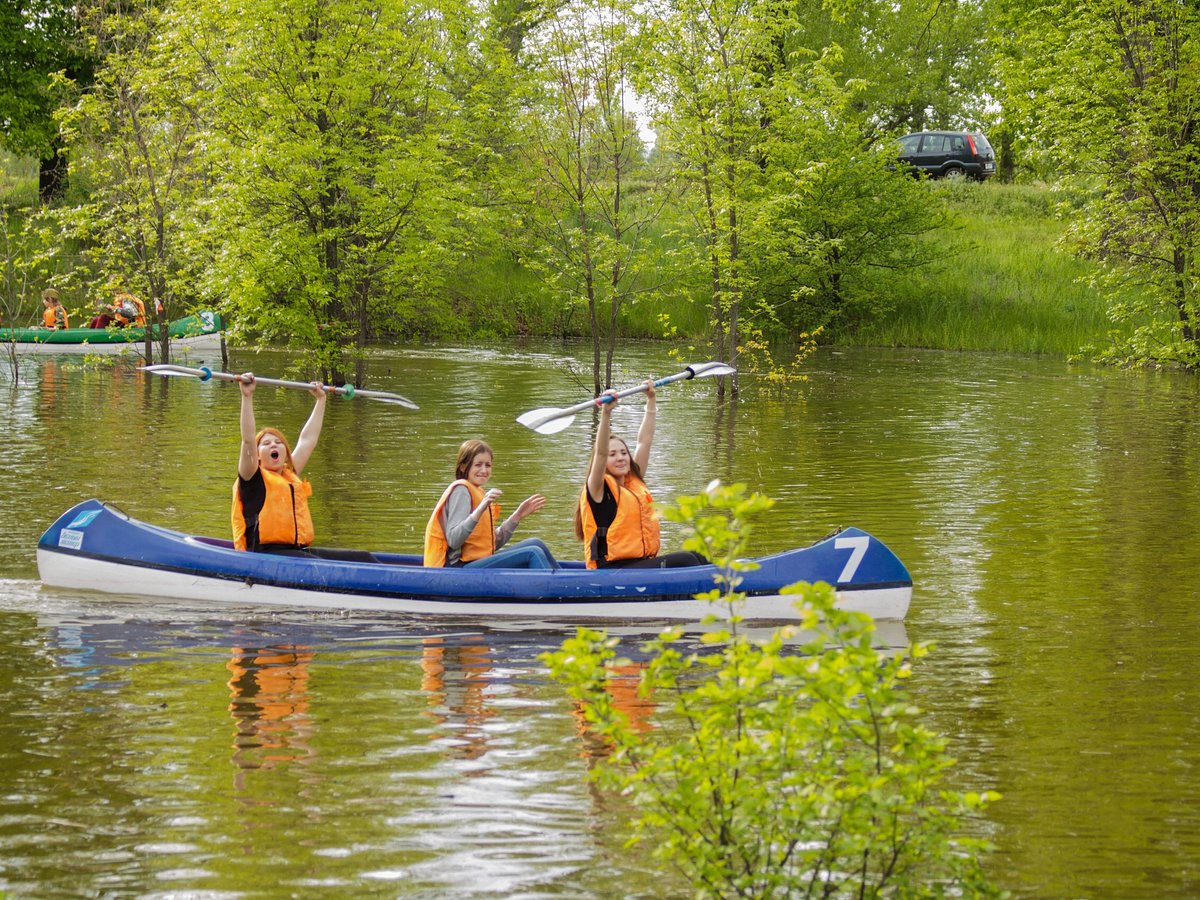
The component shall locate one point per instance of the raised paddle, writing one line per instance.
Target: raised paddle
(204, 373)
(551, 421)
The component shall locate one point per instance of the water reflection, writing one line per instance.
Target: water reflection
(269, 703)
(624, 687)
(1049, 513)
(456, 675)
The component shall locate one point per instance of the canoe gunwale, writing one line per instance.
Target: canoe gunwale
(96, 546)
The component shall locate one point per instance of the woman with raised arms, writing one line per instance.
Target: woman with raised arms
(615, 517)
(270, 501)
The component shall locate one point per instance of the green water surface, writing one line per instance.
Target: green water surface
(1049, 514)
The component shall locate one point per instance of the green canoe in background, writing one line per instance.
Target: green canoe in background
(202, 331)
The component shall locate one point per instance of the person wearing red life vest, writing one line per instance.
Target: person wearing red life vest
(270, 501)
(464, 528)
(615, 517)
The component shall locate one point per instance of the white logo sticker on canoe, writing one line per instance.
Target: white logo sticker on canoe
(84, 519)
(72, 540)
(858, 547)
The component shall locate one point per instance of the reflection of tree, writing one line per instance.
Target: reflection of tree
(623, 685)
(456, 677)
(269, 703)
(724, 434)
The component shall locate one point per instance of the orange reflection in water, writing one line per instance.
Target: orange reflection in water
(624, 686)
(456, 678)
(269, 703)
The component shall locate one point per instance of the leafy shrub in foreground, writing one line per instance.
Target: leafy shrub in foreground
(792, 766)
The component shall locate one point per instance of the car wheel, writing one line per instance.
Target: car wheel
(954, 172)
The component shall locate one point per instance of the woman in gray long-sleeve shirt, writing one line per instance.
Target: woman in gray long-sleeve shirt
(462, 530)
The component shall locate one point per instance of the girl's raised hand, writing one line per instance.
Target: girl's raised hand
(530, 505)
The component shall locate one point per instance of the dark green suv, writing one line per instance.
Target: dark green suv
(949, 154)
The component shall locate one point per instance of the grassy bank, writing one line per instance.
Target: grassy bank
(1001, 284)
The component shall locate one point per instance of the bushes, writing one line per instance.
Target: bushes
(792, 766)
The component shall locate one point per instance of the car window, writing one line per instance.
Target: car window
(959, 143)
(934, 143)
(981, 142)
(909, 143)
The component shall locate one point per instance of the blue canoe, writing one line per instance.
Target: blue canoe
(94, 546)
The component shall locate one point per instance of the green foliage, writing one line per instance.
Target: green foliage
(791, 766)
(38, 38)
(18, 181)
(1110, 88)
(593, 198)
(329, 214)
(838, 223)
(332, 175)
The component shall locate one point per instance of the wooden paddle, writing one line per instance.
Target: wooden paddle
(551, 421)
(204, 373)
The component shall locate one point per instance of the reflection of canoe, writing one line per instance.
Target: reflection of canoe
(199, 332)
(94, 546)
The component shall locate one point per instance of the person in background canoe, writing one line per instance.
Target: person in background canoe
(126, 308)
(270, 501)
(463, 530)
(615, 517)
(53, 316)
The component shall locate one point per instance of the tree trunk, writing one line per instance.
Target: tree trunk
(52, 174)
(1186, 323)
(1007, 162)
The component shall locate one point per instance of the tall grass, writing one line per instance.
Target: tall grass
(18, 181)
(1001, 285)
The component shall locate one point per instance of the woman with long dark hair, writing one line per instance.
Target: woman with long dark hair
(615, 517)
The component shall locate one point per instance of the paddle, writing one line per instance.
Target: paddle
(551, 421)
(204, 373)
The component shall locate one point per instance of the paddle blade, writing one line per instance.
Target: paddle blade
(396, 400)
(546, 420)
(167, 370)
(711, 369)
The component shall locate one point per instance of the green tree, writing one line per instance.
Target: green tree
(776, 129)
(700, 74)
(39, 38)
(835, 222)
(335, 205)
(594, 199)
(791, 766)
(1114, 84)
(136, 135)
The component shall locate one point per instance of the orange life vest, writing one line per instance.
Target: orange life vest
(480, 543)
(633, 533)
(55, 317)
(284, 517)
(119, 301)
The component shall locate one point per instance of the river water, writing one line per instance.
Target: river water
(1049, 514)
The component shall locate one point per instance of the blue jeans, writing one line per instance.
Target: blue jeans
(530, 553)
